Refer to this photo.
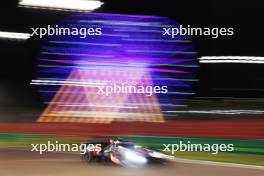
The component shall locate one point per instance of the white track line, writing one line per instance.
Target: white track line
(212, 163)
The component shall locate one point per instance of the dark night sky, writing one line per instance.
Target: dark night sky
(227, 80)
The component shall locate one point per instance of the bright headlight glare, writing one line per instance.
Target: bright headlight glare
(134, 157)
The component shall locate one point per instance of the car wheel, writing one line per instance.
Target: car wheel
(87, 157)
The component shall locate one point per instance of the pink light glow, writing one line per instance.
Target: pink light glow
(84, 104)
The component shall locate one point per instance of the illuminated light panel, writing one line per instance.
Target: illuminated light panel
(232, 59)
(70, 68)
(99, 112)
(66, 5)
(14, 35)
(224, 112)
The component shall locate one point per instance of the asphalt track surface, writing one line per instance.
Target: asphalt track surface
(16, 162)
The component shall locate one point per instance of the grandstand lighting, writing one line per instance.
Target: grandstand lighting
(14, 35)
(231, 59)
(65, 5)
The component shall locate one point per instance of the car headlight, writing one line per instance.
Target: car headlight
(134, 157)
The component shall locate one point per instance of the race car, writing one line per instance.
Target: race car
(124, 153)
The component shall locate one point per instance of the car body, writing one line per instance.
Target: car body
(125, 153)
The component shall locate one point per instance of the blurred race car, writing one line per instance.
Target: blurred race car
(124, 153)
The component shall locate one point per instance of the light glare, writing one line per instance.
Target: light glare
(68, 5)
(14, 35)
(231, 59)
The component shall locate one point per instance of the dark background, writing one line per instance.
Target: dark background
(216, 80)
